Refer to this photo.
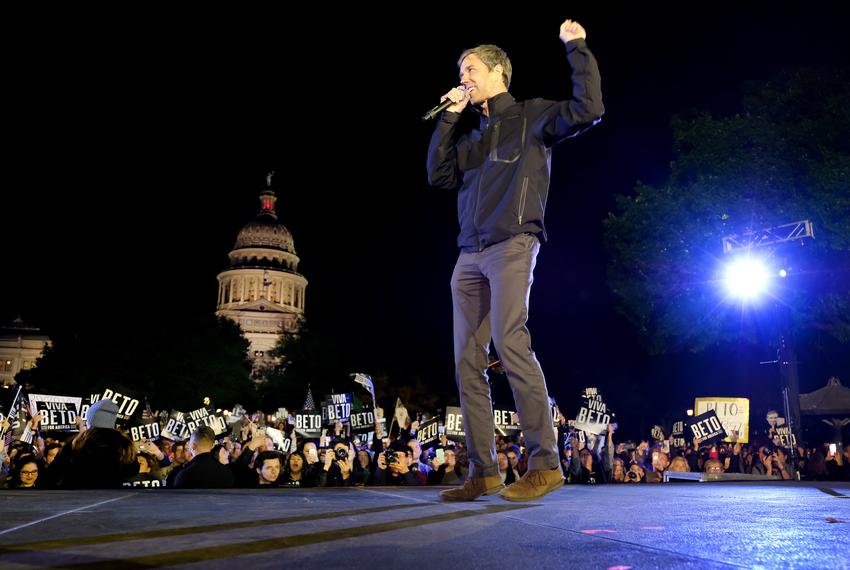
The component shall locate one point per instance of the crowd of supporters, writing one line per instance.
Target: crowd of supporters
(602, 460)
(101, 455)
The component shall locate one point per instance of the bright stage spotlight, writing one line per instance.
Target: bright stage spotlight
(746, 278)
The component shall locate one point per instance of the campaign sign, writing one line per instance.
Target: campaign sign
(429, 433)
(733, 413)
(283, 443)
(212, 421)
(382, 428)
(506, 421)
(553, 408)
(678, 433)
(336, 407)
(127, 404)
(593, 416)
(362, 421)
(175, 427)
(706, 427)
(454, 424)
(60, 412)
(235, 414)
(145, 431)
(783, 437)
(204, 417)
(308, 423)
(86, 404)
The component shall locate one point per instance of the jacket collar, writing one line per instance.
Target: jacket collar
(496, 106)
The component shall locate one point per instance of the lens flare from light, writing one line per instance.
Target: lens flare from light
(746, 278)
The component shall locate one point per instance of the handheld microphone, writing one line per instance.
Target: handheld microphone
(440, 108)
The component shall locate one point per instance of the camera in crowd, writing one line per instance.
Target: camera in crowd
(341, 453)
(632, 475)
(390, 457)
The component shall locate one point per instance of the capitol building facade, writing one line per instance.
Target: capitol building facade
(261, 290)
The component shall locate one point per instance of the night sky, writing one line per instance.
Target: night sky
(135, 153)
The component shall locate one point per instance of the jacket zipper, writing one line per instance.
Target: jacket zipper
(478, 190)
(522, 197)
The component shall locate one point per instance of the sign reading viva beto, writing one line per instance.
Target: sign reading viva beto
(203, 417)
(593, 415)
(337, 407)
(60, 412)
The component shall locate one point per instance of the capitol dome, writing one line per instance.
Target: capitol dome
(265, 242)
(265, 232)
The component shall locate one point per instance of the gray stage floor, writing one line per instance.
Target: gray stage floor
(675, 525)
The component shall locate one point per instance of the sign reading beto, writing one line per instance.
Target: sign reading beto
(127, 404)
(678, 433)
(707, 428)
(454, 424)
(506, 421)
(308, 423)
(145, 431)
(362, 421)
(429, 433)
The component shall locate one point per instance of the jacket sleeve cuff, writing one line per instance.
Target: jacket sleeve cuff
(449, 117)
(575, 44)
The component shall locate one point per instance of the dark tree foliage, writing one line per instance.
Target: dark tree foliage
(784, 157)
(309, 359)
(317, 359)
(172, 364)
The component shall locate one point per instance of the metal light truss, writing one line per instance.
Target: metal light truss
(770, 236)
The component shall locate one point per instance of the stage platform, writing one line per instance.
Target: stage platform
(672, 525)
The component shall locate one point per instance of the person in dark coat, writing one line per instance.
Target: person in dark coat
(204, 471)
(100, 457)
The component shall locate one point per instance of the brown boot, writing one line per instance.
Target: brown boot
(473, 488)
(534, 484)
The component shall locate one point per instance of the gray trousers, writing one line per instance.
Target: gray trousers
(490, 292)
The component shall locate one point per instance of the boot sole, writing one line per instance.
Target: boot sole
(527, 499)
(490, 491)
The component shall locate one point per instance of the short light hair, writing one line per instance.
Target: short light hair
(205, 435)
(491, 56)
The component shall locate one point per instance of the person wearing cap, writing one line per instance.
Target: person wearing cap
(100, 457)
